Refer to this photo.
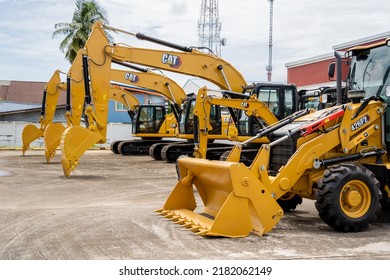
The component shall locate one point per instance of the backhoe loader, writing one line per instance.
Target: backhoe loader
(336, 156)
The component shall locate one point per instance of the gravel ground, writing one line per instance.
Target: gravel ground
(105, 211)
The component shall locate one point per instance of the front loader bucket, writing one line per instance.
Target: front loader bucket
(30, 134)
(52, 139)
(74, 142)
(235, 201)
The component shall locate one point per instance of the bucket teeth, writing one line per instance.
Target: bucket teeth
(180, 221)
(188, 224)
(168, 215)
(202, 232)
(185, 221)
(195, 228)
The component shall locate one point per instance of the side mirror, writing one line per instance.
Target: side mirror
(331, 70)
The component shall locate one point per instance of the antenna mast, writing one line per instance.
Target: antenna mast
(269, 67)
(209, 27)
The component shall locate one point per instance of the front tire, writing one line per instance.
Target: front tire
(348, 197)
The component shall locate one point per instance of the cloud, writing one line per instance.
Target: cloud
(302, 29)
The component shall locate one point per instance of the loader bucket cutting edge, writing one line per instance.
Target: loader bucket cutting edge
(235, 202)
(74, 142)
(30, 134)
(52, 139)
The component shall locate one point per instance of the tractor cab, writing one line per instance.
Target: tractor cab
(369, 77)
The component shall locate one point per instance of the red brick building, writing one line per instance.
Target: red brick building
(313, 72)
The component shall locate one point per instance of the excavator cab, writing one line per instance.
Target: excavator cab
(281, 99)
(187, 118)
(149, 119)
(320, 98)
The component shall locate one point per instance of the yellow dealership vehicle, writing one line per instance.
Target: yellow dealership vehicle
(336, 156)
(49, 104)
(99, 55)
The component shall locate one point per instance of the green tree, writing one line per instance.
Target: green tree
(76, 33)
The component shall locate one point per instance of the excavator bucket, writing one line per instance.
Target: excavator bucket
(235, 202)
(52, 139)
(30, 134)
(74, 142)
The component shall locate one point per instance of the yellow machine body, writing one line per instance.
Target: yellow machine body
(52, 91)
(229, 188)
(100, 54)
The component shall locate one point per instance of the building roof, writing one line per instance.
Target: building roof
(25, 92)
(6, 106)
(362, 41)
(309, 60)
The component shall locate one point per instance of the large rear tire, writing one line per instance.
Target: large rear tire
(348, 197)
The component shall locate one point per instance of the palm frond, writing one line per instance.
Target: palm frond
(77, 32)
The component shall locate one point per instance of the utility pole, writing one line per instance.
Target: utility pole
(269, 67)
(209, 27)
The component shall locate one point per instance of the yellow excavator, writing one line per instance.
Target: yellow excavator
(152, 123)
(189, 61)
(97, 63)
(167, 123)
(52, 131)
(49, 104)
(336, 156)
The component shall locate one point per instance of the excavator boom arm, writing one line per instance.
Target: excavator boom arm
(210, 68)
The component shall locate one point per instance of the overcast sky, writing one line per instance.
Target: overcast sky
(302, 29)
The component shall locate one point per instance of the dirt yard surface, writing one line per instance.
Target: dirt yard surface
(105, 211)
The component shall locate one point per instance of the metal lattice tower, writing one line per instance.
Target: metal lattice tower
(209, 27)
(269, 67)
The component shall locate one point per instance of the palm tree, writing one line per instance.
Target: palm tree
(77, 32)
